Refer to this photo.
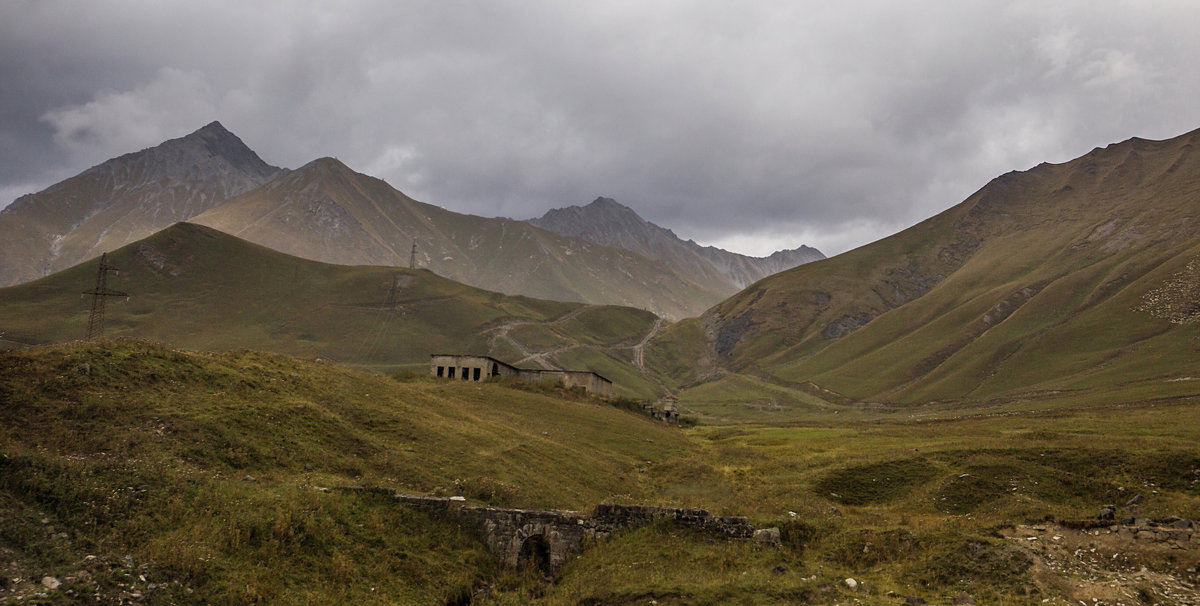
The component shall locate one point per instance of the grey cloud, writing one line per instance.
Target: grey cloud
(728, 122)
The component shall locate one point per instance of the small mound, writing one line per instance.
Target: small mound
(876, 483)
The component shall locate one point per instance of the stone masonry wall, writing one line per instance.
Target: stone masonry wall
(505, 531)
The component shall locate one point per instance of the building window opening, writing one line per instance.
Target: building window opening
(441, 371)
(450, 373)
(495, 369)
(476, 374)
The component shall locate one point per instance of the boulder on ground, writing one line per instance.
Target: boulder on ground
(767, 536)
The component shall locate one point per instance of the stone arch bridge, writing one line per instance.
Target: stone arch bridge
(545, 538)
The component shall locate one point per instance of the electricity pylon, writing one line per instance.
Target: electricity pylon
(99, 294)
(393, 294)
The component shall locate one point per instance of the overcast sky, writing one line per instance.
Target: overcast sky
(748, 125)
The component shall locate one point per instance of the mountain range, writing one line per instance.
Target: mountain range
(605, 221)
(1075, 280)
(327, 212)
(123, 200)
(1024, 355)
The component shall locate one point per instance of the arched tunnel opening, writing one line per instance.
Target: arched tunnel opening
(535, 555)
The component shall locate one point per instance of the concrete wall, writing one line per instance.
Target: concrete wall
(589, 381)
(469, 368)
(479, 368)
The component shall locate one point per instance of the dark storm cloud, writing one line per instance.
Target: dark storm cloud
(753, 125)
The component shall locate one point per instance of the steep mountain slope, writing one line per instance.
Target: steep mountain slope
(123, 200)
(196, 287)
(1061, 279)
(607, 222)
(328, 212)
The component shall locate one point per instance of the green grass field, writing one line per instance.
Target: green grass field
(207, 470)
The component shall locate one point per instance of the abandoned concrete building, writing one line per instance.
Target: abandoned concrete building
(479, 368)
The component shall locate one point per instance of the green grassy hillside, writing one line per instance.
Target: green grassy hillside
(195, 287)
(1040, 283)
(140, 473)
(204, 468)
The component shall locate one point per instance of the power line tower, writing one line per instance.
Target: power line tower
(394, 293)
(99, 294)
(412, 257)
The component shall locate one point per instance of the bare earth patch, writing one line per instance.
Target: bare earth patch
(1110, 566)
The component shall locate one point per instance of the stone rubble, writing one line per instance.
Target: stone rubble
(1116, 563)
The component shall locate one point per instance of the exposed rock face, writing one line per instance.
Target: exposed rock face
(607, 222)
(124, 200)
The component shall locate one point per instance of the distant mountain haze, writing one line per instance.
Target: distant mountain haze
(607, 222)
(123, 200)
(327, 212)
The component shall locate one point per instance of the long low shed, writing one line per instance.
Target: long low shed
(480, 368)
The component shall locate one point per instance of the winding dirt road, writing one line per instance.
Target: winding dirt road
(544, 358)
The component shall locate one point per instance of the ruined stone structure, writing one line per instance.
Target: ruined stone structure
(479, 368)
(1174, 532)
(545, 538)
(667, 409)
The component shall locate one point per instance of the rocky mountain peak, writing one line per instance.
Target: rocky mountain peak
(124, 199)
(212, 131)
(608, 222)
(602, 203)
(325, 164)
(325, 174)
(211, 157)
(218, 141)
